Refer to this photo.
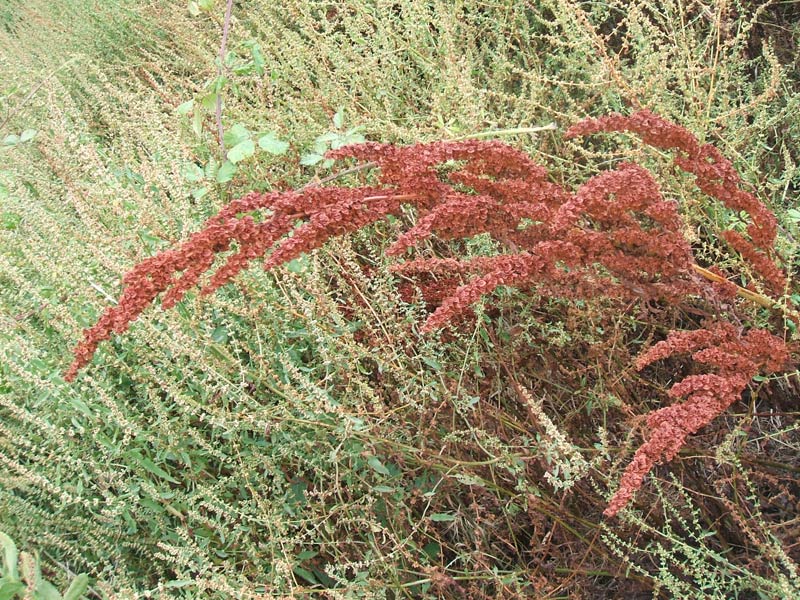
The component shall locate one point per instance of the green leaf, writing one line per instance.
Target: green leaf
(197, 123)
(11, 140)
(226, 172)
(28, 135)
(309, 160)
(194, 8)
(441, 517)
(297, 265)
(46, 591)
(305, 574)
(205, 5)
(11, 589)
(150, 466)
(241, 151)
(270, 143)
(338, 118)
(10, 556)
(179, 583)
(794, 215)
(377, 466)
(185, 108)
(199, 193)
(209, 101)
(77, 588)
(192, 172)
(220, 334)
(237, 133)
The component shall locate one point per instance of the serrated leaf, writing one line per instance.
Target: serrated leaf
(377, 466)
(77, 587)
(270, 143)
(192, 172)
(442, 517)
(309, 160)
(241, 151)
(236, 134)
(28, 135)
(226, 172)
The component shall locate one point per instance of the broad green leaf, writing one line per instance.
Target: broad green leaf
(237, 133)
(46, 591)
(298, 265)
(185, 108)
(10, 556)
(226, 172)
(28, 135)
(192, 172)
(209, 101)
(377, 466)
(272, 144)
(205, 5)
(77, 588)
(309, 160)
(11, 589)
(338, 118)
(793, 214)
(194, 8)
(11, 140)
(199, 193)
(241, 151)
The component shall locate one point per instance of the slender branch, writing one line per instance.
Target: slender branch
(743, 292)
(501, 132)
(226, 27)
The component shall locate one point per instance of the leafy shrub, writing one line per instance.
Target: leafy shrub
(616, 236)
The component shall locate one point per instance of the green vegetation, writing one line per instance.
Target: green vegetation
(294, 435)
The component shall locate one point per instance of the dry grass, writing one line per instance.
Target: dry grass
(293, 435)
